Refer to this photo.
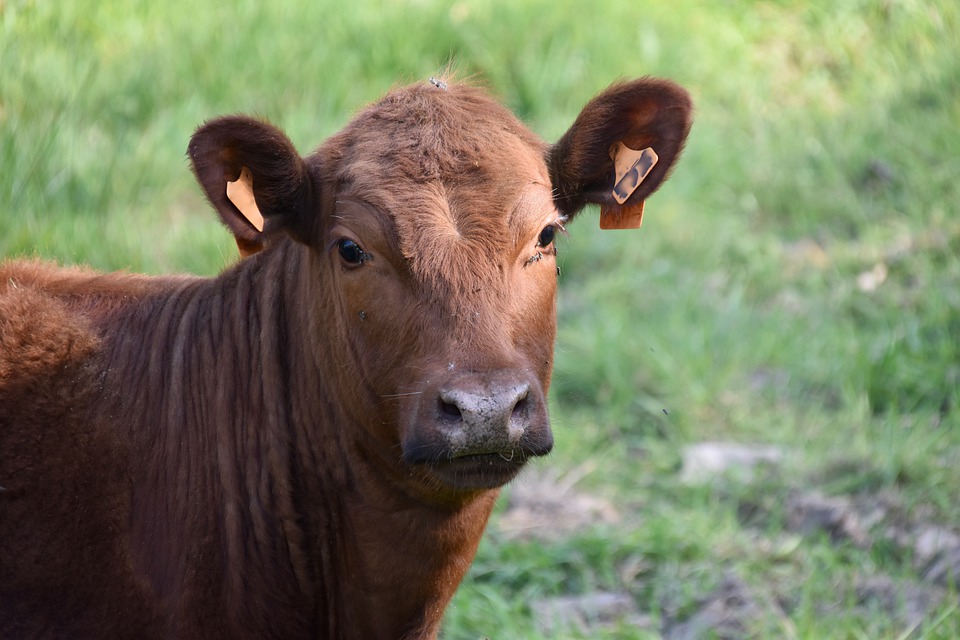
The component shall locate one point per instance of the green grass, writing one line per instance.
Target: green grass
(826, 143)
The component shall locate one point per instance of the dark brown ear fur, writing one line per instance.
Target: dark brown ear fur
(641, 113)
(221, 148)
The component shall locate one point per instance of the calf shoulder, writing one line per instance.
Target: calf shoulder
(64, 478)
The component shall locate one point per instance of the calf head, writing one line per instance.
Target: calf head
(429, 225)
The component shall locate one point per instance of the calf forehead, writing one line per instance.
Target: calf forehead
(449, 167)
(422, 133)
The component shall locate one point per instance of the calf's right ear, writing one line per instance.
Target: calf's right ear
(255, 179)
(620, 149)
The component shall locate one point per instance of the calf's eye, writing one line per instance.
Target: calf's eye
(546, 236)
(351, 252)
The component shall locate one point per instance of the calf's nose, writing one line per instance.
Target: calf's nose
(478, 414)
(485, 418)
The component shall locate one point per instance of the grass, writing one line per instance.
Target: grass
(824, 149)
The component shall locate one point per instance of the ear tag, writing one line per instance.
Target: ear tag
(623, 217)
(240, 193)
(631, 168)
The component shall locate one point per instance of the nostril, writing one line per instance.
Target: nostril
(520, 408)
(449, 410)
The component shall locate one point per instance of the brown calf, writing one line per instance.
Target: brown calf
(308, 445)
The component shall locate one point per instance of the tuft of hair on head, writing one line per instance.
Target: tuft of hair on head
(451, 74)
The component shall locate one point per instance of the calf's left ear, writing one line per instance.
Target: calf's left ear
(620, 149)
(255, 179)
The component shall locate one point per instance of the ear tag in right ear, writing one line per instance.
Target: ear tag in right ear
(240, 193)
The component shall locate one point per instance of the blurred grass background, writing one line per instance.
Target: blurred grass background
(796, 283)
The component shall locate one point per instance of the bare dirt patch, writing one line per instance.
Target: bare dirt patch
(546, 505)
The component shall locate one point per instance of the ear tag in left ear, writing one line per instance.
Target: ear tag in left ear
(624, 217)
(240, 193)
(631, 168)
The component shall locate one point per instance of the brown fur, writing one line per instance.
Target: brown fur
(283, 451)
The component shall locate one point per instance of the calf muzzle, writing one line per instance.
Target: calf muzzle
(477, 430)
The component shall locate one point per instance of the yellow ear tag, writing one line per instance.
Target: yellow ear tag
(622, 217)
(240, 193)
(631, 168)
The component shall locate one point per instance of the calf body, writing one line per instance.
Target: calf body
(310, 444)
